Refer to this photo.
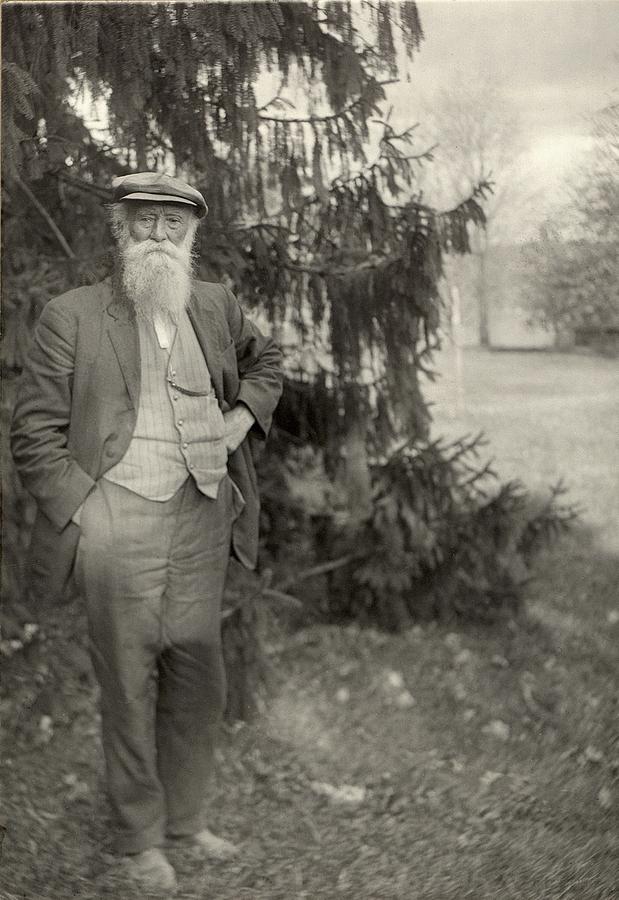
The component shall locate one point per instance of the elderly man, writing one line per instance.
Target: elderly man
(131, 432)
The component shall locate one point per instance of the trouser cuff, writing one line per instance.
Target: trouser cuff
(128, 844)
(185, 829)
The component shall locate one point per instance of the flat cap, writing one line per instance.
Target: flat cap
(160, 188)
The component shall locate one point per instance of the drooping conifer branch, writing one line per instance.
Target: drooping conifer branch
(362, 101)
(57, 233)
(355, 258)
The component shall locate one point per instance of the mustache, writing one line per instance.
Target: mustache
(148, 247)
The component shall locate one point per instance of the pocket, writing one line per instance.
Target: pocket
(78, 564)
(215, 416)
(85, 512)
(237, 501)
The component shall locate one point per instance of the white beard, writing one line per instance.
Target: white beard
(156, 276)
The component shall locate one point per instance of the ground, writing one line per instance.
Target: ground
(431, 765)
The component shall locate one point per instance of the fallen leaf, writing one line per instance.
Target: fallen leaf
(51, 817)
(79, 792)
(459, 691)
(343, 881)
(567, 753)
(593, 755)
(612, 617)
(452, 640)
(78, 789)
(491, 815)
(375, 637)
(405, 700)
(258, 767)
(605, 798)
(394, 679)
(500, 661)
(498, 729)
(347, 793)
(489, 777)
(347, 669)
(46, 730)
(540, 700)
(342, 695)
(463, 657)
(394, 689)
(30, 629)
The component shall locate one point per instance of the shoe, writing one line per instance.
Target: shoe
(151, 870)
(207, 845)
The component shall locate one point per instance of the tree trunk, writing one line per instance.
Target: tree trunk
(246, 664)
(483, 300)
(357, 478)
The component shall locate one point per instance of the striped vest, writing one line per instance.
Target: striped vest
(180, 428)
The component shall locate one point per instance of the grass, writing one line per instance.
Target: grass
(546, 416)
(453, 808)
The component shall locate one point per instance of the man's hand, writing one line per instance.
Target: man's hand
(238, 421)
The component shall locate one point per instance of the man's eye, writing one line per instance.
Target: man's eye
(174, 223)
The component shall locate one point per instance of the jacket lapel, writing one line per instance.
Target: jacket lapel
(123, 334)
(207, 327)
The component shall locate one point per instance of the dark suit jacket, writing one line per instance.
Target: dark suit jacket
(77, 404)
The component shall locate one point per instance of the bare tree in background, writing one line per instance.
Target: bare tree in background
(478, 139)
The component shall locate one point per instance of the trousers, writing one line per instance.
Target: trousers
(152, 575)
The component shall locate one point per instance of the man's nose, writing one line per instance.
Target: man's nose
(159, 230)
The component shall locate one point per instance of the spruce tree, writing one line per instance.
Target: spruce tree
(317, 220)
(316, 216)
(336, 246)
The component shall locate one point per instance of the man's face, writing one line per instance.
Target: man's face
(155, 244)
(159, 222)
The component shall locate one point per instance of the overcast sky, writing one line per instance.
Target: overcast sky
(558, 63)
